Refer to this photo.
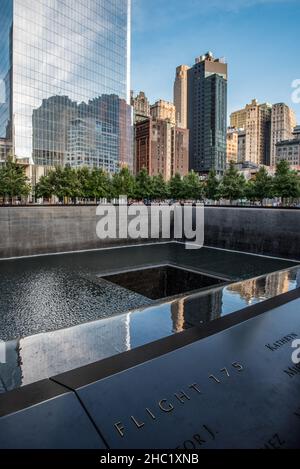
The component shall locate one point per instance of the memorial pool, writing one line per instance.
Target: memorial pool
(58, 312)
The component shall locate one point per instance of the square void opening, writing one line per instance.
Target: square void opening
(163, 281)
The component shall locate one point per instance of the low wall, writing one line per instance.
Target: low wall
(26, 231)
(38, 230)
(274, 232)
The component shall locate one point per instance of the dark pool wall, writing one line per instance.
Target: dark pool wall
(274, 232)
(39, 230)
(26, 231)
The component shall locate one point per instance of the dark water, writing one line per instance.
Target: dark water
(48, 293)
(56, 314)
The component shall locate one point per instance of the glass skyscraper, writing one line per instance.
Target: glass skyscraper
(64, 81)
(207, 114)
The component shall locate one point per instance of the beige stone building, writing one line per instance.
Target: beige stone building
(34, 172)
(258, 125)
(180, 95)
(241, 145)
(163, 110)
(180, 151)
(283, 122)
(141, 106)
(232, 144)
(288, 150)
(238, 119)
(161, 148)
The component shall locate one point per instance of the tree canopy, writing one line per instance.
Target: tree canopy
(92, 184)
(233, 184)
(13, 181)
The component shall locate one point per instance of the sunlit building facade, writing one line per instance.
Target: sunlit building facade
(65, 83)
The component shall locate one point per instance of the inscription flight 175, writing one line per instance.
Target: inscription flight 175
(167, 406)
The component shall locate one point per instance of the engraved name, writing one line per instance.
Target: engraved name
(279, 343)
(276, 442)
(292, 371)
(199, 439)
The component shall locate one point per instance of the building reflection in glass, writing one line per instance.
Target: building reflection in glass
(70, 81)
(96, 134)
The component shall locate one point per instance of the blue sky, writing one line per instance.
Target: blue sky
(259, 39)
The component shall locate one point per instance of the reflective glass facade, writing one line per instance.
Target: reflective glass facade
(6, 21)
(207, 114)
(70, 81)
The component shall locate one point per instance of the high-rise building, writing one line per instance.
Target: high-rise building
(288, 150)
(232, 144)
(296, 132)
(207, 114)
(141, 106)
(283, 122)
(258, 129)
(6, 53)
(180, 95)
(180, 151)
(64, 81)
(238, 119)
(163, 110)
(265, 126)
(161, 148)
(241, 146)
(142, 145)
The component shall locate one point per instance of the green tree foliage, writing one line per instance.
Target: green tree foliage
(13, 181)
(176, 187)
(84, 179)
(44, 188)
(233, 184)
(192, 187)
(143, 189)
(212, 187)
(261, 187)
(123, 183)
(286, 182)
(99, 184)
(159, 187)
(94, 184)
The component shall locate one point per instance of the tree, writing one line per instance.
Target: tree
(212, 186)
(261, 186)
(84, 182)
(100, 185)
(56, 180)
(192, 187)
(123, 183)
(159, 187)
(286, 183)
(70, 183)
(249, 191)
(143, 188)
(13, 180)
(176, 187)
(233, 184)
(44, 188)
